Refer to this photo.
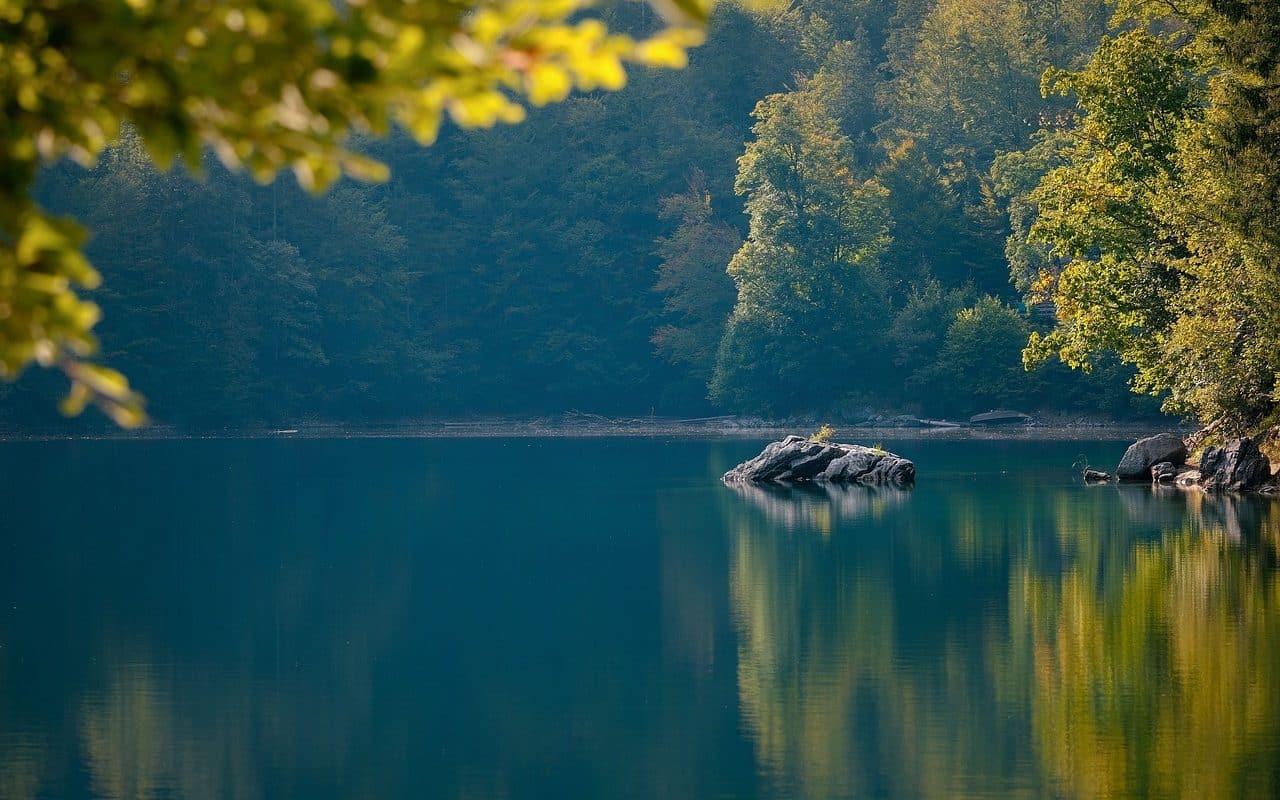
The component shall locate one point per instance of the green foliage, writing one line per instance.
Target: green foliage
(1098, 212)
(809, 279)
(1015, 176)
(981, 356)
(823, 434)
(806, 335)
(268, 86)
(919, 329)
(1160, 218)
(754, 367)
(230, 301)
(1098, 202)
(697, 293)
(932, 238)
(506, 271)
(968, 86)
(964, 86)
(572, 262)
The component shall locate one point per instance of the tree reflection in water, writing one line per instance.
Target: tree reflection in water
(818, 505)
(1102, 642)
(407, 635)
(1158, 675)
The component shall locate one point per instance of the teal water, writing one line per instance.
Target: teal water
(602, 618)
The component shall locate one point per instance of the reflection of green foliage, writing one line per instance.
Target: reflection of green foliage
(821, 626)
(20, 774)
(1161, 682)
(1129, 648)
(784, 655)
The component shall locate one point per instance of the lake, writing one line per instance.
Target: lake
(561, 618)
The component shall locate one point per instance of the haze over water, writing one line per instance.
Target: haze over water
(538, 618)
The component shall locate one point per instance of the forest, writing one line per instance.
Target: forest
(837, 208)
(387, 388)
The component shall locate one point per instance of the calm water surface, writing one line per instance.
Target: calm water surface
(602, 618)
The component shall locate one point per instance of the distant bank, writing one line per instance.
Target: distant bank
(589, 425)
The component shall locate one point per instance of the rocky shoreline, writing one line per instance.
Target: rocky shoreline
(1237, 465)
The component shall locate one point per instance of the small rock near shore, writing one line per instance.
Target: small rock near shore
(1144, 454)
(1001, 417)
(796, 459)
(1096, 476)
(1164, 472)
(1188, 479)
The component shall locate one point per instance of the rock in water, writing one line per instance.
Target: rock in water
(1002, 417)
(1238, 466)
(1188, 478)
(1144, 454)
(796, 459)
(1096, 476)
(1164, 472)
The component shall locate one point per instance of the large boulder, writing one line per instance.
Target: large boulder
(1237, 466)
(1144, 454)
(796, 459)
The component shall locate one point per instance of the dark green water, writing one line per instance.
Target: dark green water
(603, 618)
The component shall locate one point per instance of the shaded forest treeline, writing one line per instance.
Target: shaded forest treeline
(578, 260)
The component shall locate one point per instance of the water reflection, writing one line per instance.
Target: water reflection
(853, 681)
(146, 725)
(20, 771)
(223, 644)
(818, 505)
(356, 620)
(1010, 640)
(1162, 679)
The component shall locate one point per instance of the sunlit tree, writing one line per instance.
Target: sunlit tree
(1160, 218)
(811, 294)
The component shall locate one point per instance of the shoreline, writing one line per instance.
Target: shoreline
(543, 429)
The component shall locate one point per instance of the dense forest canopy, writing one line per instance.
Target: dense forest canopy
(1160, 212)
(836, 208)
(268, 86)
